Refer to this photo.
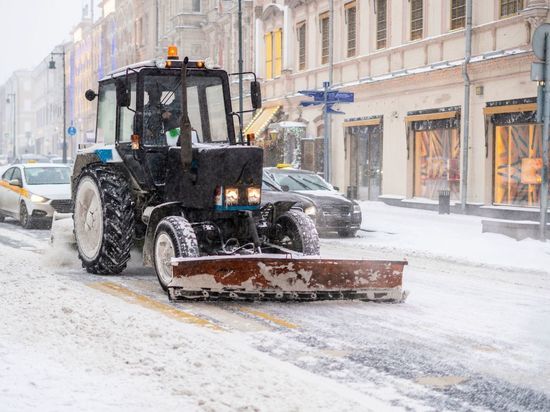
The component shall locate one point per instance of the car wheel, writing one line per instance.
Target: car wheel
(296, 231)
(24, 218)
(347, 232)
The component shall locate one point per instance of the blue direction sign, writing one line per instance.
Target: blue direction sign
(71, 131)
(333, 96)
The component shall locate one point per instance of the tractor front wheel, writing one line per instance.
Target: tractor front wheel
(174, 237)
(103, 220)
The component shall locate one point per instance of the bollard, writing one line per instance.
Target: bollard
(444, 202)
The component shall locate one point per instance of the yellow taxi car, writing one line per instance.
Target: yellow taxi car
(32, 192)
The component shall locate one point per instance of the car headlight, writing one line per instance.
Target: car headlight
(231, 196)
(254, 195)
(310, 211)
(356, 208)
(38, 199)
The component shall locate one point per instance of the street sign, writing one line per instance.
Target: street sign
(71, 131)
(333, 96)
(538, 44)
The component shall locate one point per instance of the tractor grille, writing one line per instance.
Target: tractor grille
(62, 206)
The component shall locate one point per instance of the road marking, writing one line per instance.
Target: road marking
(146, 302)
(440, 381)
(269, 317)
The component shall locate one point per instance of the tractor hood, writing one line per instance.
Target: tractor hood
(213, 168)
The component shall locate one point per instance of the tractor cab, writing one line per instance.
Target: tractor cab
(172, 124)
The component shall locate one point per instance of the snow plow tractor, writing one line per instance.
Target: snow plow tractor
(168, 174)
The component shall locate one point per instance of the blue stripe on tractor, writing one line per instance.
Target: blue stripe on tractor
(104, 155)
(235, 208)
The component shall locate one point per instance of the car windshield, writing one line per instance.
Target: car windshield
(301, 181)
(47, 175)
(269, 184)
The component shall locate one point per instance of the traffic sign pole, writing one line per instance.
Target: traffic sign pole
(326, 137)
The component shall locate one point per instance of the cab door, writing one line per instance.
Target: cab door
(5, 189)
(14, 196)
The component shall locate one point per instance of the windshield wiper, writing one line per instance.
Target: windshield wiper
(299, 182)
(316, 184)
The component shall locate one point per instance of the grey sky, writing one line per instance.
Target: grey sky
(29, 30)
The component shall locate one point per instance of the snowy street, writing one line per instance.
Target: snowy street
(474, 333)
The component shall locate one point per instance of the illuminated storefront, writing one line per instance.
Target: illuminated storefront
(517, 160)
(435, 137)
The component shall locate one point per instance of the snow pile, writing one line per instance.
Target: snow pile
(410, 233)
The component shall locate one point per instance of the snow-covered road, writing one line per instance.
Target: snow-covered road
(474, 333)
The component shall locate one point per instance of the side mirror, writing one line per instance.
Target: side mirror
(285, 188)
(336, 188)
(256, 94)
(90, 95)
(122, 94)
(15, 182)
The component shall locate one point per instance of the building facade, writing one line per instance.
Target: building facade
(403, 60)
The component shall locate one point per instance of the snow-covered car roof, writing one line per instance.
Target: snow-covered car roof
(32, 165)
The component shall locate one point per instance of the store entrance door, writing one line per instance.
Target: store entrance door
(366, 161)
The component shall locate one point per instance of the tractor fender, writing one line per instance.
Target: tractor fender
(152, 217)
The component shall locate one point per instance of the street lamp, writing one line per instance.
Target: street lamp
(52, 66)
(8, 100)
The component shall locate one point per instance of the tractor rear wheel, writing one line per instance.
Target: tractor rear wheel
(174, 237)
(296, 231)
(103, 220)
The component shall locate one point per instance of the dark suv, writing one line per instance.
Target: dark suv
(334, 212)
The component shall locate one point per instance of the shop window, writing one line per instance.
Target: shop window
(417, 19)
(381, 23)
(301, 35)
(437, 162)
(510, 7)
(351, 20)
(518, 164)
(324, 28)
(458, 14)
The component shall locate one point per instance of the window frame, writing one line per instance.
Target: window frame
(416, 33)
(519, 4)
(453, 20)
(302, 64)
(380, 40)
(322, 18)
(351, 51)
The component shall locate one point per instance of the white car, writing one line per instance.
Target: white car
(32, 192)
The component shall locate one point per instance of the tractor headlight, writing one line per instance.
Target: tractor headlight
(356, 208)
(38, 199)
(254, 195)
(310, 211)
(231, 196)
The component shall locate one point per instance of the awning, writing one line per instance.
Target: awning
(366, 122)
(261, 120)
(431, 116)
(511, 108)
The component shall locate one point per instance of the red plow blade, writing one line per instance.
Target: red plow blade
(283, 277)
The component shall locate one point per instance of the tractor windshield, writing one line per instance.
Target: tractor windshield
(162, 109)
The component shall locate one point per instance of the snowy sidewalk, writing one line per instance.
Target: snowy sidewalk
(455, 238)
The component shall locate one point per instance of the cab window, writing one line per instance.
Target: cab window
(7, 175)
(106, 114)
(17, 174)
(126, 121)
